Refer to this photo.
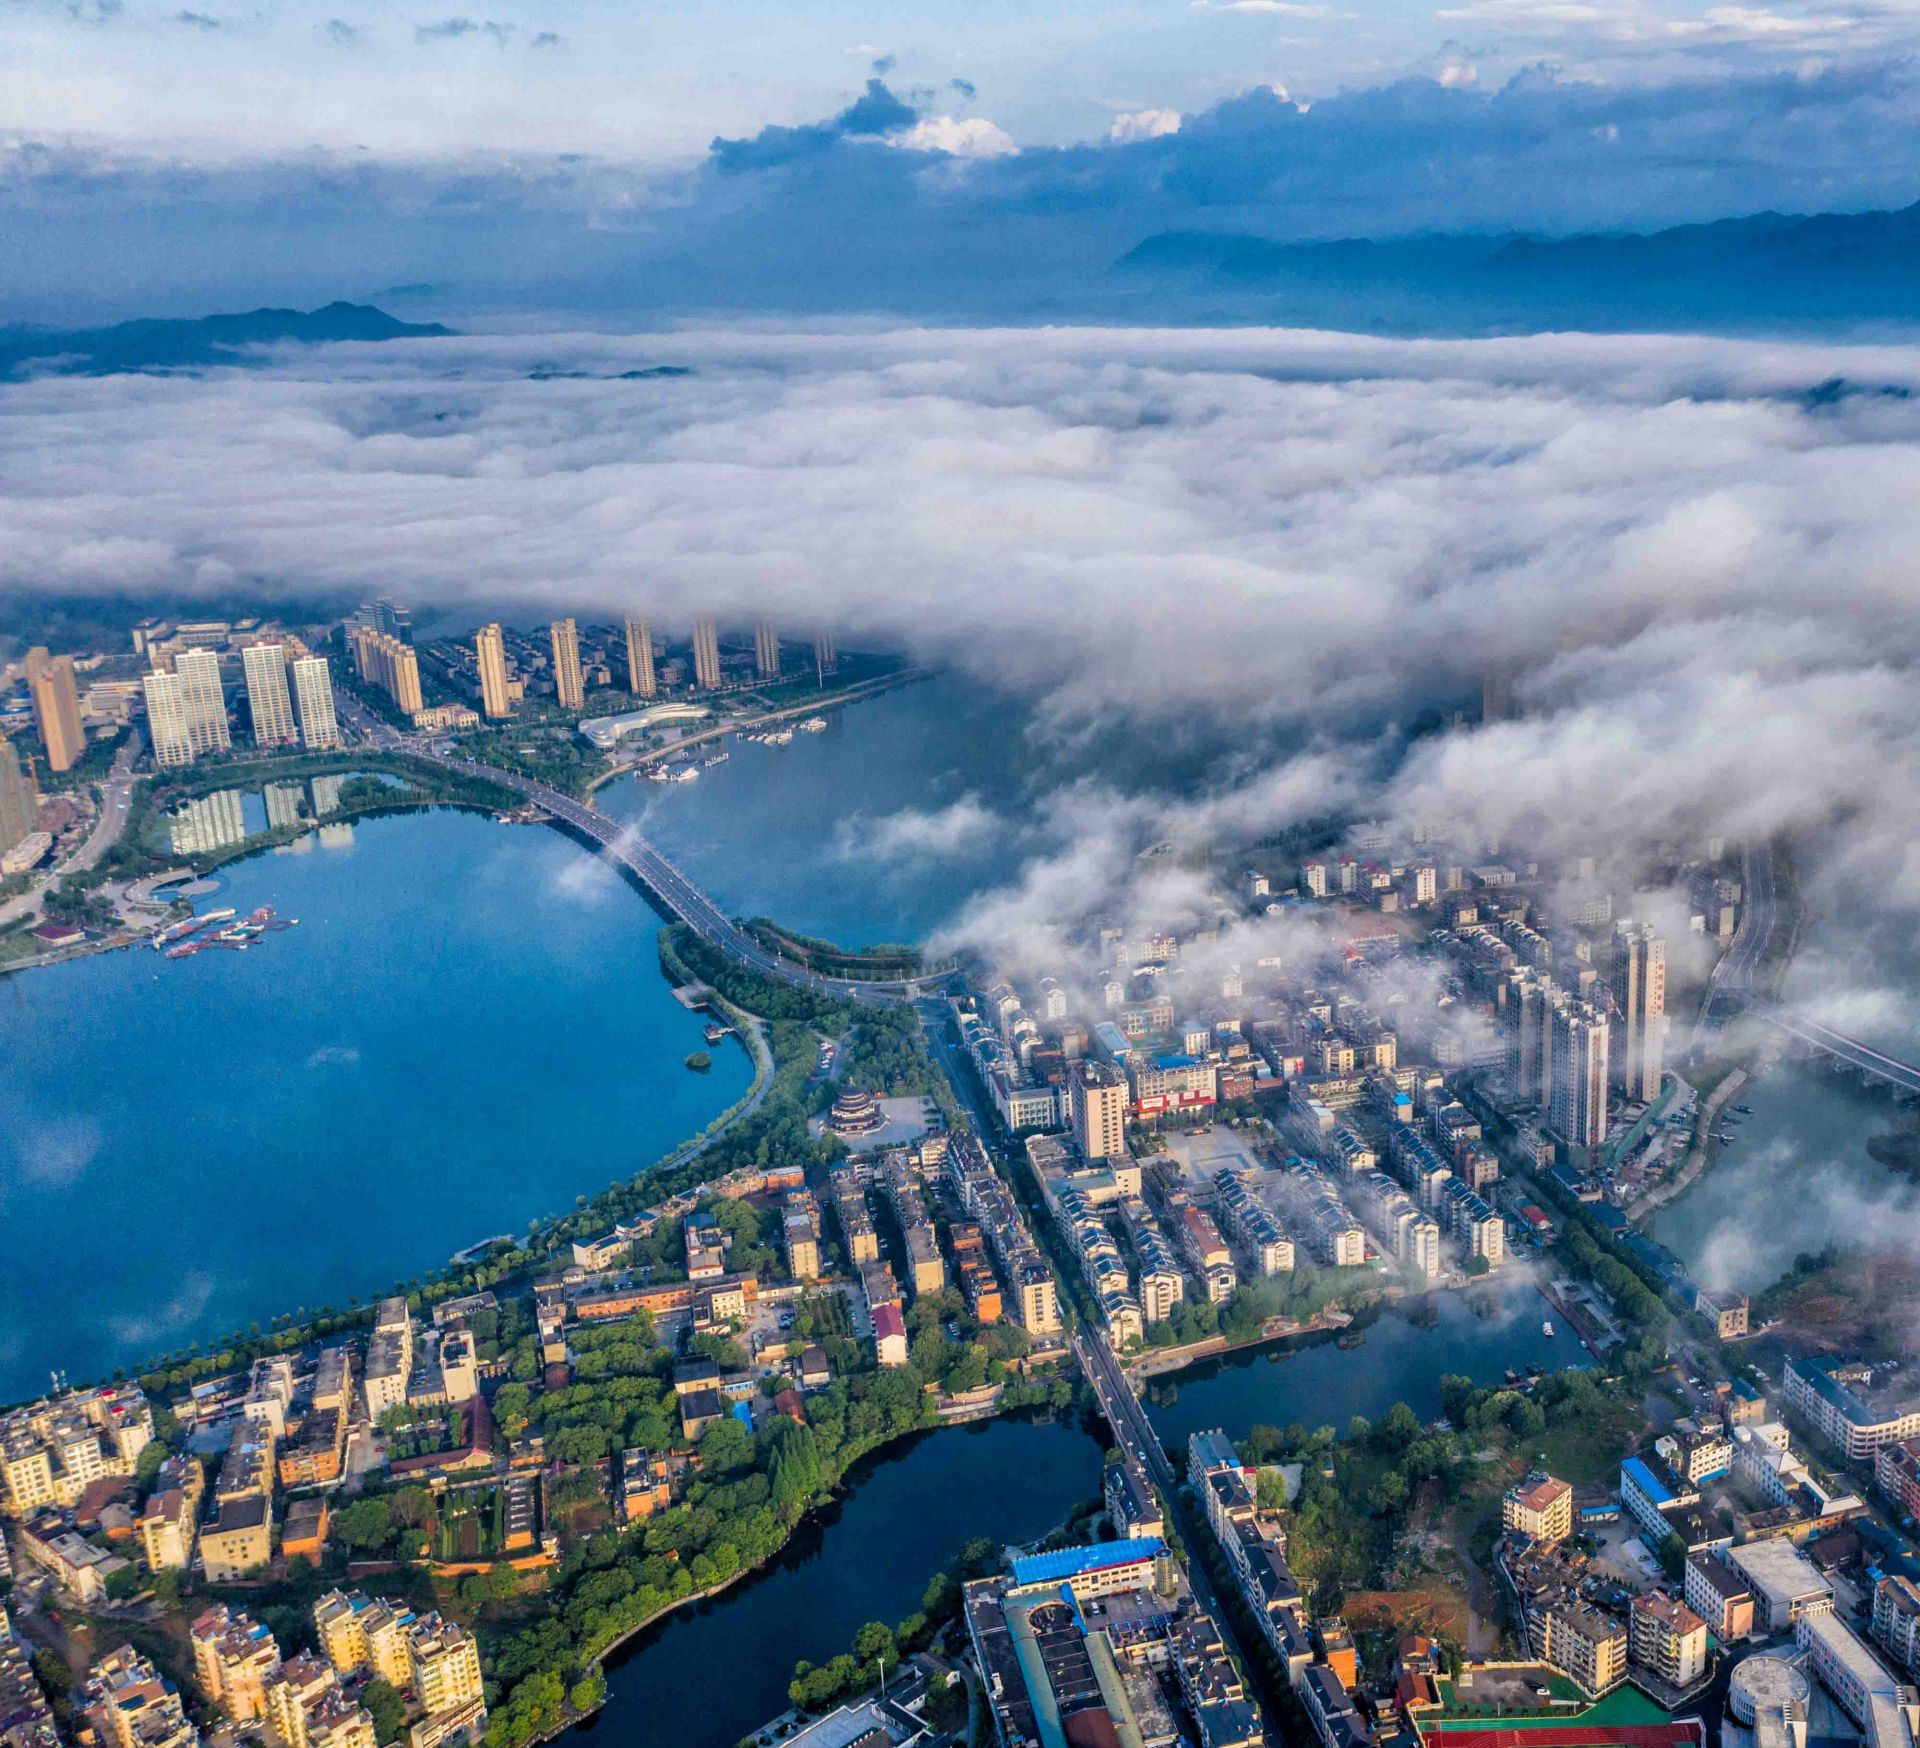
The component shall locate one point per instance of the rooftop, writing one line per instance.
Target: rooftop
(1068, 1563)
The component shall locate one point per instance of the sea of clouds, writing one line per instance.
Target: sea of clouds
(1694, 556)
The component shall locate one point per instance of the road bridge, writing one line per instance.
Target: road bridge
(623, 844)
(1903, 1077)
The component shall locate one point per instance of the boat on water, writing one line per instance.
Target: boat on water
(683, 774)
(208, 917)
(813, 725)
(177, 931)
(1547, 1327)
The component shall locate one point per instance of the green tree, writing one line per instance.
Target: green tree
(364, 1524)
(387, 1709)
(875, 1646)
(586, 1694)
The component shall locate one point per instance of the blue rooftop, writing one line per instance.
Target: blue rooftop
(1644, 1478)
(1176, 1060)
(1068, 1563)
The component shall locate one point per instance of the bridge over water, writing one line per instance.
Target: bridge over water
(677, 895)
(1903, 1077)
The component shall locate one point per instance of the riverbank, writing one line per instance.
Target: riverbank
(124, 1072)
(1700, 1153)
(115, 882)
(1156, 1362)
(901, 1514)
(817, 706)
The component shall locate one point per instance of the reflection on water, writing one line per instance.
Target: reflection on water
(1396, 1355)
(201, 1143)
(229, 817)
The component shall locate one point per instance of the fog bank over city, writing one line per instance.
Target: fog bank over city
(1690, 559)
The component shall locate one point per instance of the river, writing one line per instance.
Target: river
(1403, 1351)
(880, 827)
(707, 1676)
(467, 1030)
(1804, 1149)
(1797, 1175)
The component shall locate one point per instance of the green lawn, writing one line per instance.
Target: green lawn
(1625, 1705)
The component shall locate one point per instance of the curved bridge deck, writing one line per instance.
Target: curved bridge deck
(679, 896)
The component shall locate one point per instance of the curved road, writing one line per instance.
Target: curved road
(676, 893)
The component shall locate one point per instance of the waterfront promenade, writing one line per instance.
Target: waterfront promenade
(675, 893)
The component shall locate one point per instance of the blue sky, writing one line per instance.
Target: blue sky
(218, 80)
(575, 153)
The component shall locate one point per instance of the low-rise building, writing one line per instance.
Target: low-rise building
(1886, 1709)
(1651, 1493)
(73, 1562)
(800, 1232)
(1726, 1312)
(303, 1531)
(52, 1451)
(1720, 1596)
(1133, 1508)
(1103, 1569)
(26, 1719)
(356, 1632)
(129, 1705)
(1786, 1584)
(889, 1335)
(1839, 1401)
(238, 1539)
(169, 1526)
(1896, 1620)
(1896, 1472)
(389, 1358)
(444, 1664)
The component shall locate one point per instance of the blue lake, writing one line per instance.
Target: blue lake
(468, 1029)
(1397, 1355)
(911, 1508)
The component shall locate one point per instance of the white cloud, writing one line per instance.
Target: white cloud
(966, 827)
(1275, 8)
(1144, 124)
(1699, 567)
(56, 1155)
(970, 136)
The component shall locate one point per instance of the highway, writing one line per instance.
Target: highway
(1730, 985)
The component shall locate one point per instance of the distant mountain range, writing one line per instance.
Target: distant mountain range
(182, 344)
(1767, 267)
